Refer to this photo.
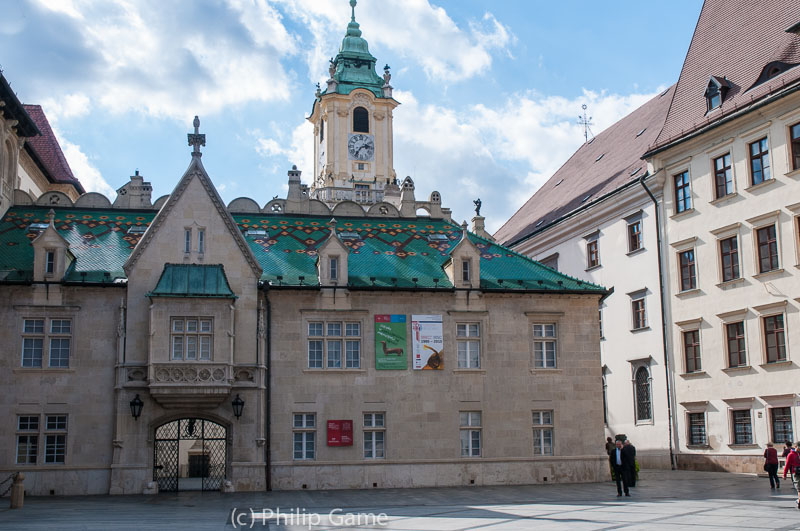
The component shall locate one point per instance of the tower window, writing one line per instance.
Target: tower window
(50, 263)
(321, 130)
(360, 120)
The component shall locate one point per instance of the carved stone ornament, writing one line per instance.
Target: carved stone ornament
(190, 374)
(244, 375)
(341, 112)
(137, 374)
(379, 115)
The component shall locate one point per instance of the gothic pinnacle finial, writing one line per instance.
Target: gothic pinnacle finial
(353, 7)
(196, 139)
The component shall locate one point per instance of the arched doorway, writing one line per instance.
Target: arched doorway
(189, 454)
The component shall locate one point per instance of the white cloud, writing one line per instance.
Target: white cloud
(294, 149)
(85, 171)
(67, 106)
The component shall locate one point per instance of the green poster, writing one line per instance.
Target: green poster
(390, 342)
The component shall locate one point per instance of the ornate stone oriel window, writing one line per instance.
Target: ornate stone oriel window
(470, 433)
(191, 338)
(543, 432)
(374, 435)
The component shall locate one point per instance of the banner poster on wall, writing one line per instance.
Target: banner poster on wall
(427, 342)
(390, 342)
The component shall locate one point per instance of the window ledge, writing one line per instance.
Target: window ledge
(694, 374)
(554, 370)
(334, 371)
(43, 370)
(762, 184)
(793, 173)
(723, 199)
(740, 368)
(748, 445)
(767, 274)
(637, 330)
(648, 422)
(598, 266)
(730, 283)
(775, 364)
(685, 293)
(637, 251)
(470, 371)
(682, 214)
(698, 446)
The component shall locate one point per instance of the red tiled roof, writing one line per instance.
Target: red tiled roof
(584, 178)
(734, 39)
(46, 149)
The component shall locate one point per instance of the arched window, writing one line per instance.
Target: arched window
(642, 383)
(321, 130)
(360, 120)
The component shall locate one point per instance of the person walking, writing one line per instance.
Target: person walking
(609, 447)
(630, 451)
(793, 467)
(771, 466)
(619, 461)
(787, 449)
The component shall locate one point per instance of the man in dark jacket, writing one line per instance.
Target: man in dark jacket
(620, 460)
(630, 451)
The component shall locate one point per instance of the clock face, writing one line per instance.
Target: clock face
(361, 147)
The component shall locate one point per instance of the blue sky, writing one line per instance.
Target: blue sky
(490, 92)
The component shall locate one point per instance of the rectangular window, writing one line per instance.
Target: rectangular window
(794, 133)
(639, 315)
(634, 236)
(729, 257)
(759, 161)
(27, 439)
(691, 350)
(465, 273)
(742, 427)
(32, 342)
(737, 351)
(55, 439)
(50, 262)
(326, 341)
(187, 240)
(697, 429)
(374, 435)
(544, 346)
(201, 241)
(303, 436)
(688, 270)
(469, 345)
(683, 193)
(767, 249)
(774, 338)
(58, 340)
(781, 418)
(334, 268)
(191, 338)
(592, 254)
(723, 176)
(470, 433)
(543, 432)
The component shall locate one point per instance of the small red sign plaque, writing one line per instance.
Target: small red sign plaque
(340, 433)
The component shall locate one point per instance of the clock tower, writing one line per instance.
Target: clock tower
(352, 120)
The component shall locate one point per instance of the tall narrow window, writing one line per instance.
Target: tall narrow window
(470, 433)
(781, 418)
(333, 345)
(691, 350)
(634, 236)
(697, 429)
(55, 439)
(32, 342)
(592, 254)
(465, 272)
(187, 240)
(315, 350)
(321, 130)
(767, 249)
(794, 132)
(642, 389)
(304, 429)
(759, 161)
(50, 262)
(543, 432)
(60, 339)
(729, 257)
(737, 351)
(544, 346)
(683, 193)
(469, 345)
(723, 176)
(774, 338)
(201, 241)
(334, 267)
(638, 311)
(27, 439)
(360, 120)
(374, 435)
(742, 427)
(688, 270)
(352, 345)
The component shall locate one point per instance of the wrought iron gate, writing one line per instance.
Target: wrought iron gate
(210, 445)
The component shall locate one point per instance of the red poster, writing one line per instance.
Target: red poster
(340, 433)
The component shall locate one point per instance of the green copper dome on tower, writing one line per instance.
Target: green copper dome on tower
(354, 67)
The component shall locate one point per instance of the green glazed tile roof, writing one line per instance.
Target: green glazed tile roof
(391, 251)
(192, 280)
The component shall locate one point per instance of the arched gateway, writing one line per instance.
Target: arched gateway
(189, 454)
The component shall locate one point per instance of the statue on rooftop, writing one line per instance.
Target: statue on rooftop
(477, 204)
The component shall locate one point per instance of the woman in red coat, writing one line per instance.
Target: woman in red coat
(771, 466)
(793, 467)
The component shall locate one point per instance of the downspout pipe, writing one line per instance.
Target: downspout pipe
(663, 316)
(268, 398)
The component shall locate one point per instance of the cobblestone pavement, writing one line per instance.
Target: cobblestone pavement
(668, 500)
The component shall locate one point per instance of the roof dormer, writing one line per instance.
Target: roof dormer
(50, 254)
(332, 259)
(715, 92)
(463, 268)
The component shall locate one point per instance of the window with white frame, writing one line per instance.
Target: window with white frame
(304, 429)
(334, 344)
(468, 339)
(374, 435)
(742, 426)
(191, 338)
(470, 433)
(27, 439)
(201, 241)
(543, 432)
(465, 271)
(55, 334)
(544, 346)
(697, 429)
(55, 439)
(50, 262)
(333, 267)
(187, 240)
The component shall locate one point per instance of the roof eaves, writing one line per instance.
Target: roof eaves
(13, 107)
